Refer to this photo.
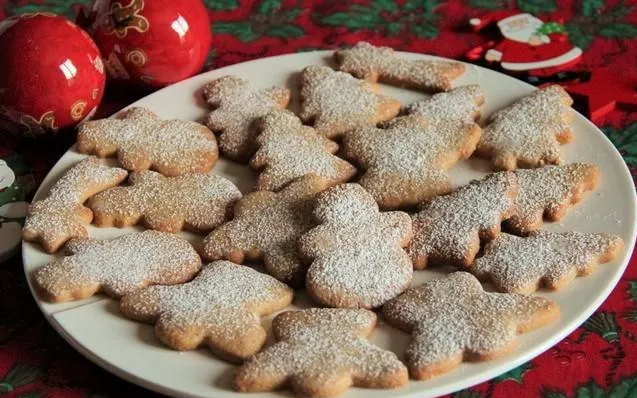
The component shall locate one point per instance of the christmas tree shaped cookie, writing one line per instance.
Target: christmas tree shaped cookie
(220, 308)
(452, 319)
(407, 161)
(267, 226)
(528, 133)
(551, 259)
(448, 229)
(320, 352)
(547, 192)
(356, 253)
(288, 150)
(462, 104)
(198, 201)
(366, 61)
(335, 102)
(237, 108)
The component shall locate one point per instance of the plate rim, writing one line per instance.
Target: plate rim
(456, 385)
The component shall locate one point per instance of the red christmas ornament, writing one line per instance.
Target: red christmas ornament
(527, 45)
(51, 74)
(153, 42)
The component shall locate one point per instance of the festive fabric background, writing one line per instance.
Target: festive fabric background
(598, 360)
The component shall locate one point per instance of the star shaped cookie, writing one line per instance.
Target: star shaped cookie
(141, 140)
(528, 133)
(288, 150)
(220, 308)
(366, 61)
(406, 162)
(335, 102)
(117, 266)
(551, 259)
(237, 107)
(267, 226)
(548, 192)
(448, 229)
(61, 215)
(452, 319)
(320, 352)
(356, 253)
(198, 201)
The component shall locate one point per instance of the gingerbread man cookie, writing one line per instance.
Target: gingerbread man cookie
(200, 201)
(406, 162)
(61, 215)
(356, 253)
(452, 319)
(267, 225)
(528, 133)
(551, 259)
(448, 229)
(320, 352)
(335, 102)
(288, 150)
(219, 308)
(117, 266)
(547, 192)
(141, 141)
(237, 107)
(462, 104)
(366, 61)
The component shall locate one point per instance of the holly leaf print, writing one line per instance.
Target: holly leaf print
(515, 374)
(242, 30)
(488, 4)
(60, 7)
(604, 325)
(284, 31)
(626, 388)
(389, 18)
(19, 375)
(537, 6)
(268, 7)
(595, 20)
(632, 291)
(591, 7)
(553, 394)
(221, 5)
(619, 31)
(467, 394)
(625, 141)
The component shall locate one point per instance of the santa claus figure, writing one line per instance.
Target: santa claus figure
(528, 44)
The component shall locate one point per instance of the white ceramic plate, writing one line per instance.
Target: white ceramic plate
(130, 350)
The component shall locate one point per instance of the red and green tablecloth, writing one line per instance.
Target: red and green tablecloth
(597, 360)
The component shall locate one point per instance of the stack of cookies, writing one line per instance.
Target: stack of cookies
(353, 196)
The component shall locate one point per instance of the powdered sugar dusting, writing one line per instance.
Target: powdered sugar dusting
(322, 344)
(518, 264)
(237, 106)
(448, 228)
(405, 162)
(142, 140)
(367, 61)
(118, 266)
(357, 254)
(460, 104)
(200, 200)
(336, 102)
(528, 133)
(288, 150)
(548, 190)
(454, 314)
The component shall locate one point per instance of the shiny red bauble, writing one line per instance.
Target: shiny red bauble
(51, 74)
(152, 42)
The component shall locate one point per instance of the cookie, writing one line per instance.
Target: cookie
(335, 102)
(198, 201)
(366, 61)
(452, 319)
(267, 226)
(461, 104)
(288, 150)
(237, 106)
(117, 266)
(548, 192)
(61, 216)
(356, 253)
(407, 161)
(141, 140)
(528, 133)
(448, 229)
(320, 352)
(551, 259)
(220, 308)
